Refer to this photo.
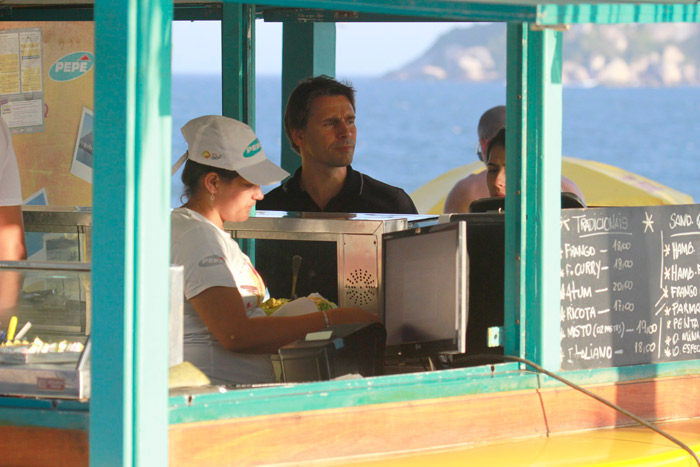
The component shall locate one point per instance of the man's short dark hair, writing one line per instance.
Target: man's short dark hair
(491, 121)
(297, 112)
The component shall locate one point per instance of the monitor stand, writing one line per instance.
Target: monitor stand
(437, 364)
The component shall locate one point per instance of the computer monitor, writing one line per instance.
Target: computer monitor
(426, 290)
(568, 201)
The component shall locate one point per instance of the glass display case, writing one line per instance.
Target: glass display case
(58, 233)
(45, 320)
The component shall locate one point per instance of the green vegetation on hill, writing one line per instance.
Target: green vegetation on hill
(619, 55)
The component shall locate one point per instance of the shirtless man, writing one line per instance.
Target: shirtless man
(474, 186)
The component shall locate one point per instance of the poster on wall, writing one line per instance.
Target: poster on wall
(21, 81)
(82, 154)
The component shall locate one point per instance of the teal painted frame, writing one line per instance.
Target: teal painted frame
(238, 62)
(453, 10)
(400, 388)
(543, 200)
(515, 298)
(131, 233)
(238, 74)
(533, 142)
(404, 10)
(133, 128)
(617, 13)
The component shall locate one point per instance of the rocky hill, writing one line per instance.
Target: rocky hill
(620, 55)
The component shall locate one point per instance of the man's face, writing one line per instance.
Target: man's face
(330, 133)
(496, 172)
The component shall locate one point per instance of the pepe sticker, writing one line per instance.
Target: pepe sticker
(71, 66)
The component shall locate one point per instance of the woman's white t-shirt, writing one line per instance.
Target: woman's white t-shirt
(212, 258)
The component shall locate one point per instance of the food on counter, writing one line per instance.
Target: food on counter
(186, 375)
(322, 303)
(271, 305)
(14, 343)
(39, 346)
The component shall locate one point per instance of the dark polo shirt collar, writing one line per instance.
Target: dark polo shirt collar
(352, 187)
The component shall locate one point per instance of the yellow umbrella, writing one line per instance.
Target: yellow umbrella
(601, 184)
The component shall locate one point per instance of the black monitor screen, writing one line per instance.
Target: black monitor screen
(426, 291)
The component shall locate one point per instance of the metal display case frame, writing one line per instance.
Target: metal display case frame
(358, 239)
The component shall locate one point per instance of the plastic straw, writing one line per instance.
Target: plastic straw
(11, 329)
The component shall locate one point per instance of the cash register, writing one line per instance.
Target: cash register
(336, 351)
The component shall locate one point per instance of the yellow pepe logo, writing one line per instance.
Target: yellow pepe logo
(206, 155)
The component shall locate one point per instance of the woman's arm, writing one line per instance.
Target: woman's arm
(222, 311)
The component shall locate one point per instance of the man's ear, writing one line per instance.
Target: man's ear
(298, 136)
(484, 143)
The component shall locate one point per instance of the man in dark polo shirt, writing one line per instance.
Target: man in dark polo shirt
(320, 124)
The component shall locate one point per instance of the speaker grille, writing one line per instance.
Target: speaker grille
(361, 288)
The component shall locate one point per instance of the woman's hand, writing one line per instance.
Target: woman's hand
(350, 315)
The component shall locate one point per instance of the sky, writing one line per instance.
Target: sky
(197, 49)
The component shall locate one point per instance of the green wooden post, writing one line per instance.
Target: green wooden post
(238, 62)
(542, 198)
(128, 406)
(308, 49)
(515, 274)
(238, 73)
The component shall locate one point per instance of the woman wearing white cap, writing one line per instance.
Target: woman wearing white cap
(225, 167)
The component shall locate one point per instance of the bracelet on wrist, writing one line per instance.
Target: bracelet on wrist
(325, 318)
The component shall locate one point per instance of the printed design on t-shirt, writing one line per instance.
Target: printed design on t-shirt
(209, 261)
(251, 286)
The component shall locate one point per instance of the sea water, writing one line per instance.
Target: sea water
(410, 132)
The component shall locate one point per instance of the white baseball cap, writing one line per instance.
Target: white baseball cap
(229, 144)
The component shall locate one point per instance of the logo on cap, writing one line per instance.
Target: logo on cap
(211, 155)
(252, 149)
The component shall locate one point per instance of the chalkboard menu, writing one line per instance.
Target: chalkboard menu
(629, 285)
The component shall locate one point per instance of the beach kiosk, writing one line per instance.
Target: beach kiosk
(518, 412)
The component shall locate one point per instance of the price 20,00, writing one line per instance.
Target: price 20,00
(622, 286)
